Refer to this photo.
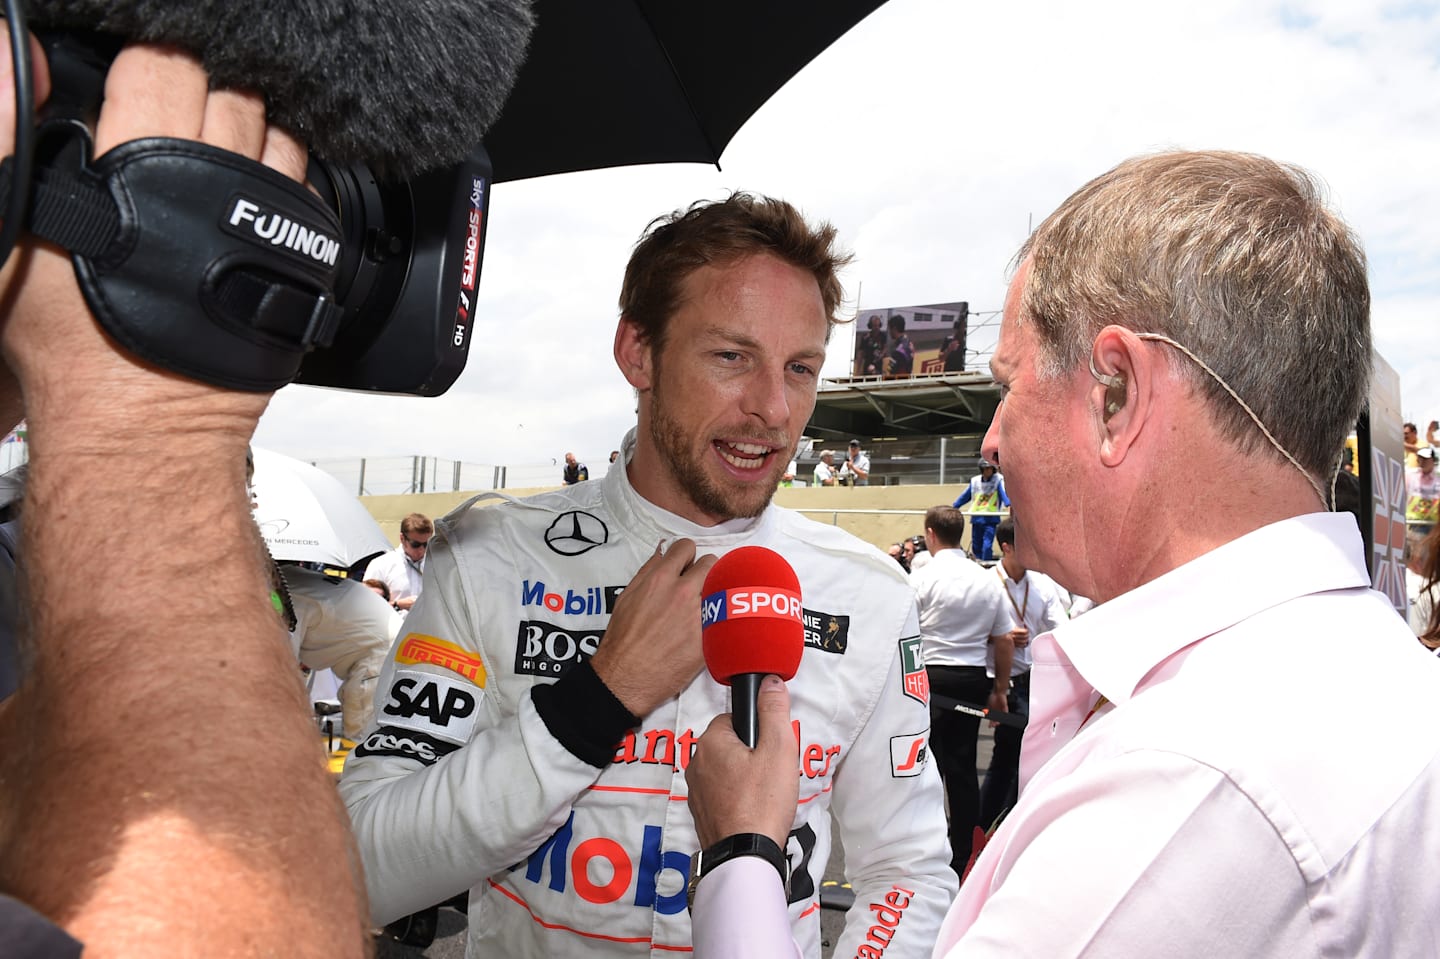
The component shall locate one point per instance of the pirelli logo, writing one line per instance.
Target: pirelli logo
(418, 648)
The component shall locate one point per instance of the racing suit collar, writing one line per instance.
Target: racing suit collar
(646, 519)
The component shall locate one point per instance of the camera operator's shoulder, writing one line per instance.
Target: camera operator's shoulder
(836, 542)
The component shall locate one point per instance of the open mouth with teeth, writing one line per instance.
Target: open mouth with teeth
(744, 456)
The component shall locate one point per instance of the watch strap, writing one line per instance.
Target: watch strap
(732, 847)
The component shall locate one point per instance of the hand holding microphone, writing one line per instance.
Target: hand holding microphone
(735, 789)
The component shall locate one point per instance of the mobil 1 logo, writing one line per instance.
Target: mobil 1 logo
(544, 649)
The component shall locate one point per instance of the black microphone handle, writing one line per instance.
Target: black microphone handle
(745, 706)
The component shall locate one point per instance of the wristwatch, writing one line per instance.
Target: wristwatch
(742, 844)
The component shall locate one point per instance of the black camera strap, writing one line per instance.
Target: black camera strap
(193, 258)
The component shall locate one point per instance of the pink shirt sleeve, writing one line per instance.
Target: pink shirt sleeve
(740, 912)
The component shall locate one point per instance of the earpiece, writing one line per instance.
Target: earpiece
(1114, 389)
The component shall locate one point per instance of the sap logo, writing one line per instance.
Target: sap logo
(591, 601)
(741, 603)
(405, 743)
(434, 705)
(635, 876)
(908, 755)
(544, 649)
(827, 631)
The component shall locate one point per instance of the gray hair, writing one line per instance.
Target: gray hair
(1236, 257)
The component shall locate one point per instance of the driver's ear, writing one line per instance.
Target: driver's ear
(634, 355)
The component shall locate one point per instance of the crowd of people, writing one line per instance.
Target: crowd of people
(546, 740)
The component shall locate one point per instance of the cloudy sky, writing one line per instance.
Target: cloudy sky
(932, 135)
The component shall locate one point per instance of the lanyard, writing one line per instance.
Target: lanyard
(1024, 603)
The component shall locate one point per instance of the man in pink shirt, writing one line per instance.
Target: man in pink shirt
(1194, 780)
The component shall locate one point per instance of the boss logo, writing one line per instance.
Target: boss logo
(544, 649)
(434, 705)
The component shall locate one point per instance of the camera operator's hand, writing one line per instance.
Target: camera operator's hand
(65, 364)
(162, 786)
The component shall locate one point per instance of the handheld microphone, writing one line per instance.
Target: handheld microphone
(751, 625)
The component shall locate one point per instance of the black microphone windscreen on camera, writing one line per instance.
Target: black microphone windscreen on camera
(402, 87)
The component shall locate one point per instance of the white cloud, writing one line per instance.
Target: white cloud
(931, 135)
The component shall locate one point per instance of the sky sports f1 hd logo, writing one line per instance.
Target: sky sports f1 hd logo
(470, 261)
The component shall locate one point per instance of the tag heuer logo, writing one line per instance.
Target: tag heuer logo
(913, 678)
(575, 532)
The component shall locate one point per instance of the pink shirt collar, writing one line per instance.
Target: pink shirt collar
(1115, 647)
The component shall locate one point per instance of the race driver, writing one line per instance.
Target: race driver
(538, 713)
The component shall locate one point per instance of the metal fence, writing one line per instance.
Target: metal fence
(399, 475)
(923, 460)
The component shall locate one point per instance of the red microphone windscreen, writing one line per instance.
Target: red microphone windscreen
(751, 619)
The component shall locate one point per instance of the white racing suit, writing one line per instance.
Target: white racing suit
(346, 627)
(473, 775)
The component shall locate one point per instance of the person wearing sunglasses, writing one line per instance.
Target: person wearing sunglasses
(403, 568)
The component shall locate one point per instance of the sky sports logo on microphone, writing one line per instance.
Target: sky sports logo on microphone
(750, 602)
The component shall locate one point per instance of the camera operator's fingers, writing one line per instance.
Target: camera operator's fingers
(283, 152)
(163, 91)
(235, 120)
(40, 73)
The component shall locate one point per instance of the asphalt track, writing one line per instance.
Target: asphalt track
(450, 938)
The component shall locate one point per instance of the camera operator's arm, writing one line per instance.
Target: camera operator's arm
(126, 817)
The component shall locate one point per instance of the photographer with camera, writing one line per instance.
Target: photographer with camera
(121, 821)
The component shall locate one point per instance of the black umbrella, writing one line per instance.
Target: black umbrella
(619, 82)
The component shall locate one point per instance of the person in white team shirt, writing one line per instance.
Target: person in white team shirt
(1035, 601)
(403, 568)
(1188, 788)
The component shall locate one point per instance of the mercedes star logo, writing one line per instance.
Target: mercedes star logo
(575, 532)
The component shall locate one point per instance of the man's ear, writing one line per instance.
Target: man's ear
(634, 355)
(1122, 395)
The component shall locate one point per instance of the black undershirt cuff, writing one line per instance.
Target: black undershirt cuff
(584, 715)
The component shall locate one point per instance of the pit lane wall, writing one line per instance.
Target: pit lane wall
(879, 515)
